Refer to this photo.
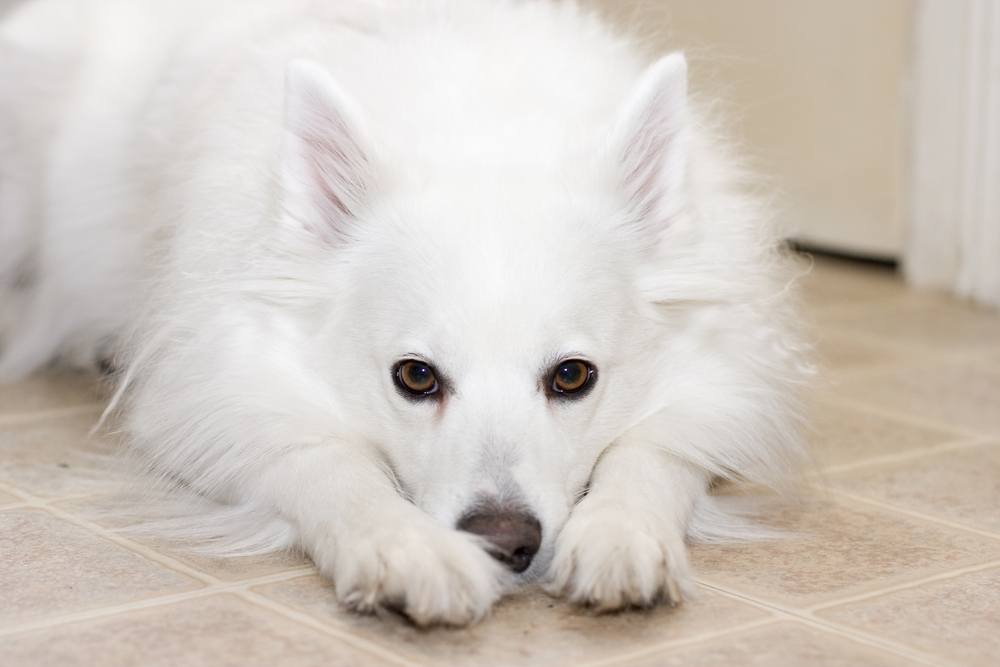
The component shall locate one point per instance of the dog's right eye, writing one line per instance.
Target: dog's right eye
(572, 378)
(415, 378)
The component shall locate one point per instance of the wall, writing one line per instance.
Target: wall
(817, 92)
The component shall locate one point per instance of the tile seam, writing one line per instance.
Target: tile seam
(955, 444)
(907, 512)
(804, 615)
(139, 549)
(915, 583)
(638, 654)
(333, 629)
(146, 603)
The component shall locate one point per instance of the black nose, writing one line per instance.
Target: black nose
(513, 537)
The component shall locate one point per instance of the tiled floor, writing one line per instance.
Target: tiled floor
(893, 555)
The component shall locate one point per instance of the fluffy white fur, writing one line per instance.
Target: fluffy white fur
(262, 206)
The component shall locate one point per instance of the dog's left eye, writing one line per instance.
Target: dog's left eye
(572, 378)
(415, 378)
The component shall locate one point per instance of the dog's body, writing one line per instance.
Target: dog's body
(285, 216)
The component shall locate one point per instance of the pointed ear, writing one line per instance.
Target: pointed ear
(325, 162)
(650, 141)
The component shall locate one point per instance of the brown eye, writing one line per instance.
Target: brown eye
(416, 378)
(571, 378)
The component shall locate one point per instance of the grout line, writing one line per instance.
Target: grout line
(135, 547)
(940, 576)
(888, 413)
(101, 612)
(333, 629)
(901, 457)
(638, 654)
(882, 643)
(21, 418)
(806, 617)
(151, 602)
(907, 512)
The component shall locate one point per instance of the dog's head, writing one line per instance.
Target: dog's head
(489, 334)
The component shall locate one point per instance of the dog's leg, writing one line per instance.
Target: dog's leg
(623, 545)
(379, 549)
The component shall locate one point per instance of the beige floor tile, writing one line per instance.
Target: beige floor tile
(838, 354)
(835, 283)
(216, 631)
(782, 644)
(963, 395)
(932, 321)
(842, 435)
(836, 549)
(55, 457)
(53, 567)
(528, 629)
(956, 618)
(49, 391)
(961, 485)
(107, 512)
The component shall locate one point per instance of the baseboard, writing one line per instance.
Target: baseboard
(883, 261)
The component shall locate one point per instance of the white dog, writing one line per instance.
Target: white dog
(453, 295)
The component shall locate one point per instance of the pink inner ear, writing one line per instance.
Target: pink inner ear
(336, 162)
(652, 157)
(324, 156)
(644, 162)
(326, 169)
(647, 153)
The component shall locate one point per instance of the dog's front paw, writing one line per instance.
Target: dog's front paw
(609, 558)
(431, 574)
